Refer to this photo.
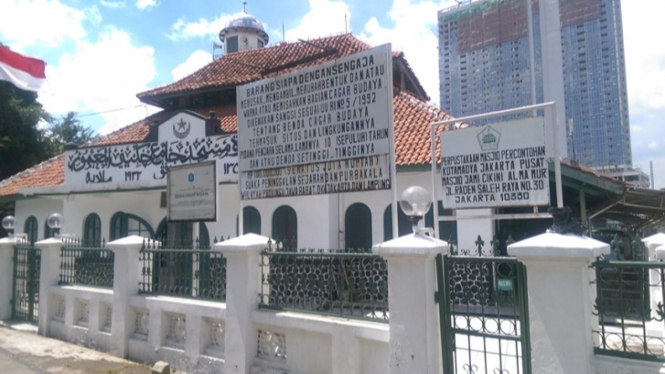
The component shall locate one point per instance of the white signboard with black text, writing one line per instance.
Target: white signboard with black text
(356, 174)
(496, 165)
(192, 192)
(308, 121)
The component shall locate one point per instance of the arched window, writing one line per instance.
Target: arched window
(125, 224)
(92, 230)
(251, 221)
(180, 234)
(358, 227)
(404, 225)
(48, 232)
(31, 229)
(285, 227)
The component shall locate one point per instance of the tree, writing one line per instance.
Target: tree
(22, 143)
(68, 130)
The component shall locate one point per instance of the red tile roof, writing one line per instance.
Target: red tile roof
(412, 134)
(49, 173)
(412, 115)
(412, 118)
(238, 68)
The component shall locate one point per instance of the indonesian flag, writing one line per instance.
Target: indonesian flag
(26, 73)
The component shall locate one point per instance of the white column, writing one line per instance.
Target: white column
(243, 285)
(561, 298)
(653, 241)
(415, 344)
(48, 277)
(552, 73)
(6, 277)
(126, 270)
(653, 244)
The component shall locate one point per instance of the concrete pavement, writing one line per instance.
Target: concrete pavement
(22, 351)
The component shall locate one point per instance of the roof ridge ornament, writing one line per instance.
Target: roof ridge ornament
(244, 6)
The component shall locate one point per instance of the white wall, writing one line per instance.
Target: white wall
(41, 208)
(320, 218)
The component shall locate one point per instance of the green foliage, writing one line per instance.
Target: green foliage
(68, 129)
(22, 143)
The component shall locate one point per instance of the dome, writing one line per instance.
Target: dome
(246, 23)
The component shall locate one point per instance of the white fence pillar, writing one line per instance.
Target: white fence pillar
(126, 270)
(6, 277)
(415, 344)
(560, 300)
(48, 277)
(243, 285)
(655, 328)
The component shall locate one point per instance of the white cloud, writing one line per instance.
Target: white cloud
(325, 17)
(194, 62)
(645, 71)
(99, 77)
(113, 4)
(145, 4)
(202, 28)
(415, 33)
(46, 23)
(645, 61)
(93, 14)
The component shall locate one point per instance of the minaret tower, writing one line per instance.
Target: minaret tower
(243, 33)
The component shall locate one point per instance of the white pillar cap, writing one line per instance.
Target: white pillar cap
(412, 245)
(50, 243)
(8, 242)
(561, 247)
(656, 239)
(243, 244)
(132, 241)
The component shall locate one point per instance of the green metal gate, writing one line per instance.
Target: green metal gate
(484, 315)
(25, 287)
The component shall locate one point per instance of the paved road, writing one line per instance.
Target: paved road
(12, 363)
(23, 352)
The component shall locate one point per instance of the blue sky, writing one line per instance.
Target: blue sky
(100, 54)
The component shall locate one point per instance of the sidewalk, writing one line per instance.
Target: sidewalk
(22, 351)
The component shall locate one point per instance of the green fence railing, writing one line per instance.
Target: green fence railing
(25, 281)
(630, 311)
(193, 271)
(86, 263)
(343, 283)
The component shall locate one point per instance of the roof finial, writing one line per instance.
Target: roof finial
(244, 6)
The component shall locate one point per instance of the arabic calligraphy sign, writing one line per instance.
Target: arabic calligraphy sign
(150, 160)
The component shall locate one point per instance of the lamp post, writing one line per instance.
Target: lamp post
(8, 224)
(415, 203)
(55, 221)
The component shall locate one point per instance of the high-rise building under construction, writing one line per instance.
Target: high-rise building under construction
(484, 67)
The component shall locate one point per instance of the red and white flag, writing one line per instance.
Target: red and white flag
(26, 73)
